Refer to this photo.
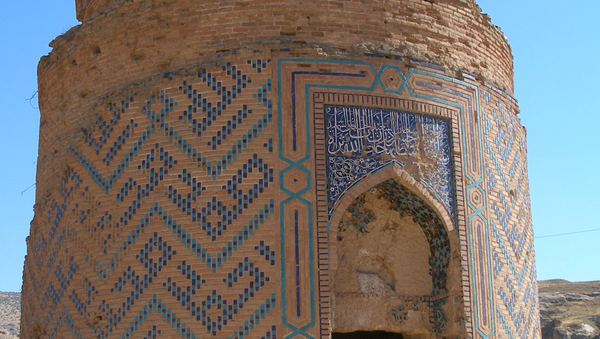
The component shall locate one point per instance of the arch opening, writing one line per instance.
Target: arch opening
(367, 335)
(393, 254)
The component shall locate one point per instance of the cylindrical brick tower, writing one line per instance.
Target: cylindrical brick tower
(280, 169)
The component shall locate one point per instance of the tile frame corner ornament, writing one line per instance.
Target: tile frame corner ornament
(421, 87)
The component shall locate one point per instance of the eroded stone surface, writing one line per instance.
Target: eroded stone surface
(388, 255)
(389, 243)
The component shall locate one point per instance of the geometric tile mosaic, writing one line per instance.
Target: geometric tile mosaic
(514, 269)
(183, 213)
(196, 203)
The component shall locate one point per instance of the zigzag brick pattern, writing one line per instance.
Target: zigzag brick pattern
(164, 213)
(510, 219)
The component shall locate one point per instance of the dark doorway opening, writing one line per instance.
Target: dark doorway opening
(366, 335)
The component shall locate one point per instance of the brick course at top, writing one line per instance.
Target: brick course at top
(190, 183)
(121, 42)
(453, 33)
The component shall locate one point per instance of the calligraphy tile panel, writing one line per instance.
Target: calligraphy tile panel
(361, 140)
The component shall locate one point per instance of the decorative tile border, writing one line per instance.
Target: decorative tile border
(367, 78)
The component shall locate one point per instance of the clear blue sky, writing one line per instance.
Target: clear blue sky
(555, 45)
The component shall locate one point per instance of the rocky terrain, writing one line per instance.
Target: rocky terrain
(10, 314)
(5, 335)
(568, 310)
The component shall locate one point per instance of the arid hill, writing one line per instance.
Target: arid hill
(10, 314)
(570, 310)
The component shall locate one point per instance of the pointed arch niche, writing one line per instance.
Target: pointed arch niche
(388, 248)
(392, 262)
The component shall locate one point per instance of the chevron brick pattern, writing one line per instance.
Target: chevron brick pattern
(509, 210)
(187, 208)
(162, 223)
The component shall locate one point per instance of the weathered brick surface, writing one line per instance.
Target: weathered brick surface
(185, 160)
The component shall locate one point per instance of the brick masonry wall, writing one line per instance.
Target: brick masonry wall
(181, 147)
(105, 54)
(509, 217)
(450, 32)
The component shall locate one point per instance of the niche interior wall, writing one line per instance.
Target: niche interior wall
(280, 169)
